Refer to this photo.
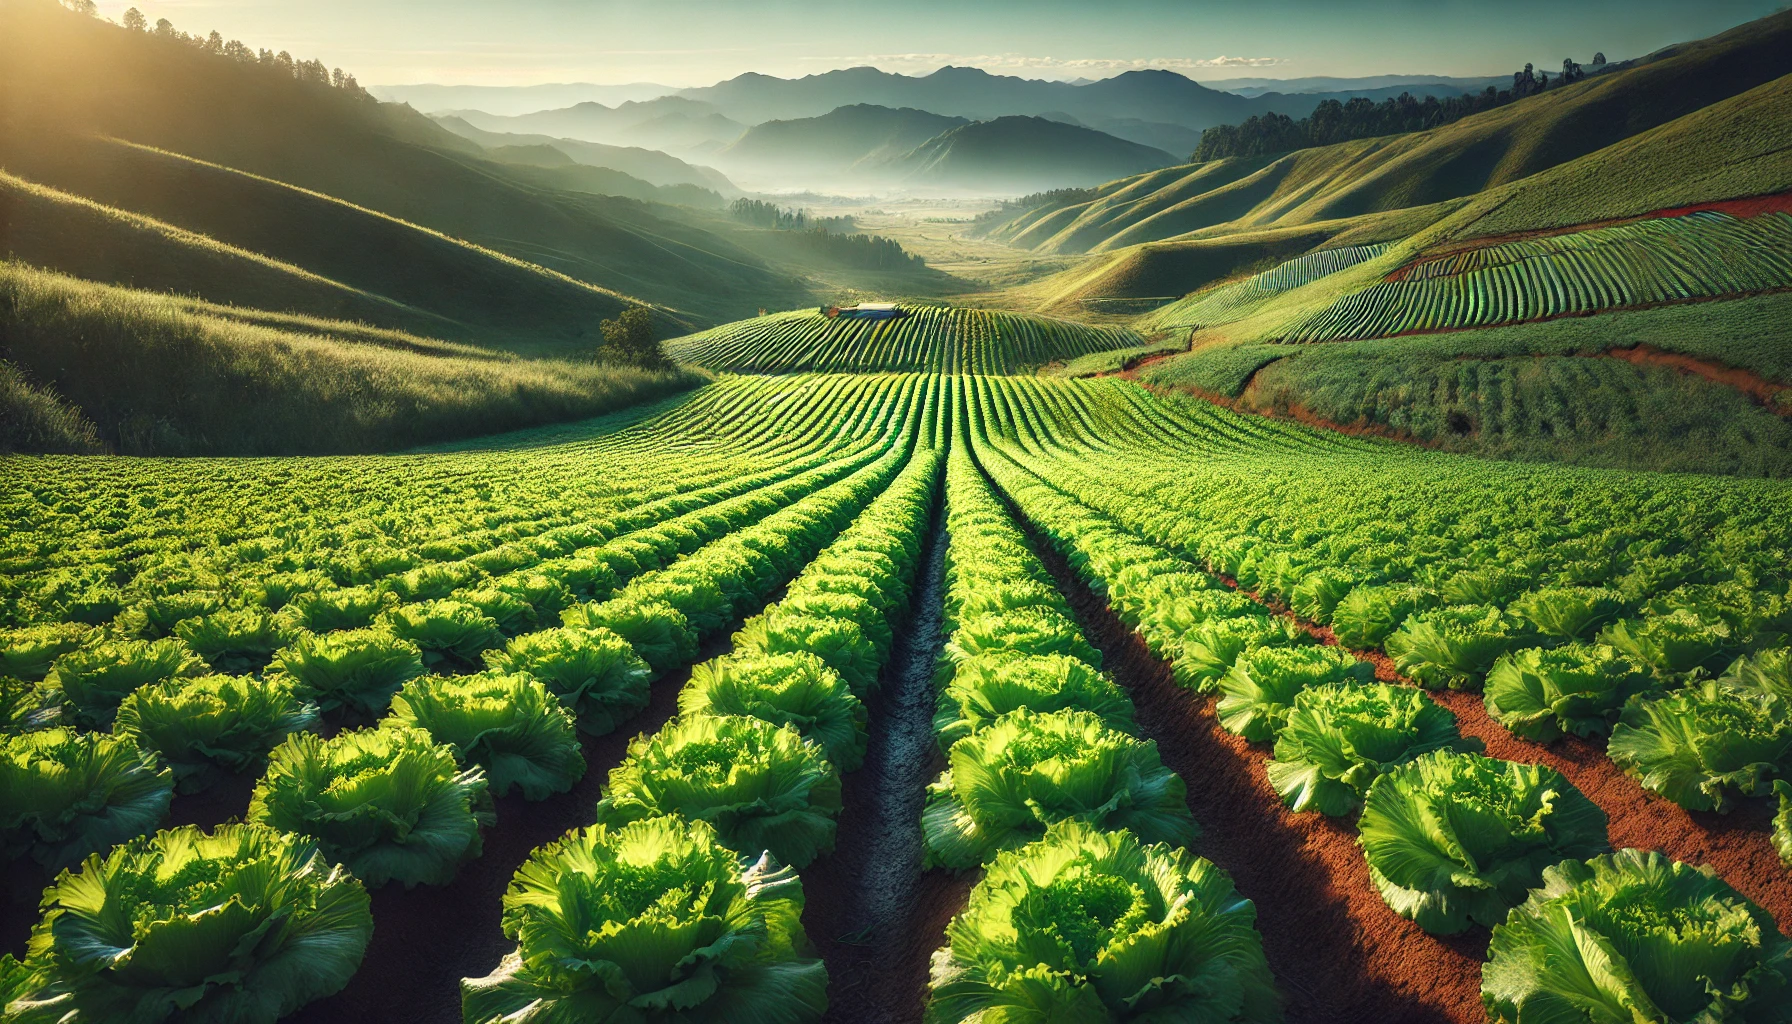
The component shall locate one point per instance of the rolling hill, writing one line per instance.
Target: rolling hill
(858, 140)
(662, 122)
(1023, 154)
(647, 165)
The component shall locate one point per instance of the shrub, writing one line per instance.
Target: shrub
(762, 786)
(509, 725)
(1085, 924)
(92, 683)
(594, 672)
(28, 652)
(1209, 650)
(1006, 784)
(1634, 936)
(1541, 693)
(329, 610)
(1454, 647)
(1569, 613)
(658, 632)
(66, 794)
(1259, 689)
(388, 804)
(1338, 739)
(1457, 839)
(205, 725)
(797, 690)
(654, 913)
(235, 641)
(445, 631)
(984, 689)
(243, 925)
(355, 669)
(1702, 745)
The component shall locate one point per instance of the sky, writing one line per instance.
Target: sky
(698, 42)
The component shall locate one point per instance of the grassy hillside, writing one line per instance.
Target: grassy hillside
(1373, 175)
(158, 375)
(647, 165)
(69, 77)
(858, 138)
(1024, 154)
(938, 338)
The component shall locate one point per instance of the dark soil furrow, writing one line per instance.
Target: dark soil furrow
(873, 914)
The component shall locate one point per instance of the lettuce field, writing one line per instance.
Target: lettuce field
(933, 694)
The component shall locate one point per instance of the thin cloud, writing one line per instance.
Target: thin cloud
(1060, 65)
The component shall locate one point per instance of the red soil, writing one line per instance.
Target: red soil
(1752, 206)
(1746, 381)
(1338, 953)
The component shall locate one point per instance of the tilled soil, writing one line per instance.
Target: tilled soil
(428, 938)
(1339, 955)
(873, 914)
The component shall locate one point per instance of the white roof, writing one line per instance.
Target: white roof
(873, 307)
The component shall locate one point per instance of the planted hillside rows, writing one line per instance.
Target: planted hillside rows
(1668, 259)
(929, 338)
(458, 642)
(1229, 303)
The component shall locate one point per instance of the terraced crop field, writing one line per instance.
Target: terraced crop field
(801, 699)
(1229, 303)
(930, 338)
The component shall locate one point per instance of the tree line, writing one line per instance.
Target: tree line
(834, 238)
(312, 71)
(771, 215)
(1362, 118)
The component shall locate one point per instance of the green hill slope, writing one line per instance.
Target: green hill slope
(1024, 154)
(1375, 175)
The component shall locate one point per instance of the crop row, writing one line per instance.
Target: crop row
(1089, 901)
(929, 338)
(404, 800)
(1454, 839)
(1699, 255)
(1230, 303)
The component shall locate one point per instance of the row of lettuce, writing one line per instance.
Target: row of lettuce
(184, 924)
(1453, 839)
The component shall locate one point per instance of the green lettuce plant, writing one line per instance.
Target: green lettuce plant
(594, 672)
(1037, 630)
(1702, 746)
(28, 652)
(356, 670)
(761, 785)
(1768, 671)
(92, 682)
(1165, 625)
(1259, 689)
(798, 690)
(1367, 616)
(1541, 693)
(1007, 783)
(658, 632)
(66, 794)
(1086, 924)
(1455, 646)
(1454, 840)
(1633, 936)
(205, 726)
(430, 582)
(1569, 613)
(1338, 739)
(235, 641)
(1675, 646)
(860, 611)
(838, 642)
(389, 804)
(329, 610)
(446, 631)
(1208, 650)
(512, 614)
(159, 616)
(1318, 593)
(1782, 821)
(25, 706)
(510, 725)
(984, 689)
(654, 920)
(239, 926)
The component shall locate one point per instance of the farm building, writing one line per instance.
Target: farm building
(865, 311)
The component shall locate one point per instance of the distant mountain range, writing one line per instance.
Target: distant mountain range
(649, 165)
(1025, 154)
(859, 140)
(515, 99)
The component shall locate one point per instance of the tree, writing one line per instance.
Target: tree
(1599, 60)
(87, 7)
(135, 21)
(629, 341)
(164, 28)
